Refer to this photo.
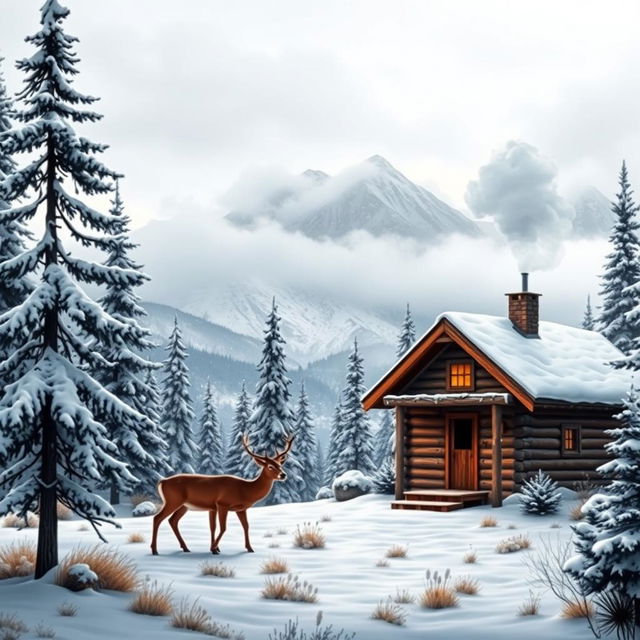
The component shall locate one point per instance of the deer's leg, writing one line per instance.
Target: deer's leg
(173, 521)
(242, 516)
(222, 515)
(213, 514)
(157, 520)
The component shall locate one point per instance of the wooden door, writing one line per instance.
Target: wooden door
(462, 448)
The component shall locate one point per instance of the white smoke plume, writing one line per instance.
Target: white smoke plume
(518, 190)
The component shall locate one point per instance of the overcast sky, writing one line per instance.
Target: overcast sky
(196, 92)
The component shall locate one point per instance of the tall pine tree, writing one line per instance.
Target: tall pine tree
(126, 378)
(176, 424)
(383, 442)
(588, 321)
(621, 272)
(272, 419)
(354, 441)
(238, 461)
(305, 449)
(608, 542)
(211, 457)
(407, 336)
(52, 416)
(331, 459)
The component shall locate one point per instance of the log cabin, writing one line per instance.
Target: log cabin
(482, 402)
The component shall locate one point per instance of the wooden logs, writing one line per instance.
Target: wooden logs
(400, 447)
(425, 483)
(433, 474)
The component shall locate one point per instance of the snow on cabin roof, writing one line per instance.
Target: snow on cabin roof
(565, 363)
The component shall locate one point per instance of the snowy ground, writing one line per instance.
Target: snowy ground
(345, 572)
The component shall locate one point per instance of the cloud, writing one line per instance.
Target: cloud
(518, 190)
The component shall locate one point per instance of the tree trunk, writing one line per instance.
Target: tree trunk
(47, 557)
(636, 611)
(115, 494)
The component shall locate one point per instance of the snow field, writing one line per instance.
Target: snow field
(350, 585)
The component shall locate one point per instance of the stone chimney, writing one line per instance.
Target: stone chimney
(524, 309)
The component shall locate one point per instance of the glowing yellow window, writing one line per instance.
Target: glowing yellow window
(460, 375)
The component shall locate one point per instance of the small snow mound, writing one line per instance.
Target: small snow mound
(146, 508)
(351, 484)
(514, 498)
(324, 493)
(80, 576)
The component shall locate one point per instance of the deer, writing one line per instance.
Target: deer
(218, 495)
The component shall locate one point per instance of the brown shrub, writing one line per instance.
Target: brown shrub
(514, 543)
(12, 521)
(63, 512)
(153, 600)
(470, 557)
(466, 585)
(289, 588)
(309, 536)
(530, 607)
(575, 513)
(397, 551)
(139, 498)
(190, 616)
(17, 559)
(67, 609)
(404, 597)
(389, 612)
(135, 538)
(438, 593)
(488, 521)
(115, 570)
(10, 622)
(577, 609)
(217, 569)
(275, 565)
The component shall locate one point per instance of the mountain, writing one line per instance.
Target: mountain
(314, 326)
(594, 217)
(372, 196)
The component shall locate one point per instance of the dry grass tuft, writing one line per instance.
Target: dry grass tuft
(577, 609)
(83, 527)
(115, 570)
(268, 534)
(488, 521)
(470, 557)
(135, 538)
(404, 597)
(274, 545)
(42, 631)
(282, 531)
(191, 616)
(382, 563)
(397, 551)
(556, 525)
(466, 585)
(325, 518)
(13, 521)
(289, 588)
(531, 606)
(275, 565)
(309, 536)
(390, 612)
(153, 600)
(514, 543)
(438, 593)
(17, 559)
(512, 526)
(67, 610)
(217, 569)
(63, 512)
(11, 622)
(139, 498)
(575, 513)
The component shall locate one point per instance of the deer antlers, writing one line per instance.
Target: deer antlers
(280, 457)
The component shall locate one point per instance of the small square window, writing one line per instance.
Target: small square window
(460, 375)
(571, 439)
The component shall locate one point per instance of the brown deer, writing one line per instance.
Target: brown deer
(218, 495)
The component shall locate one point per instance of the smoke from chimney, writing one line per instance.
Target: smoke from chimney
(518, 190)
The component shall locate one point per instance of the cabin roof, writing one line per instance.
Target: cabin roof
(563, 364)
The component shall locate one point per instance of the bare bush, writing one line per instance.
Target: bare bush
(63, 512)
(11, 622)
(404, 597)
(67, 610)
(438, 593)
(13, 521)
(309, 536)
(274, 565)
(153, 600)
(115, 571)
(575, 513)
(514, 543)
(531, 606)
(289, 588)
(17, 559)
(388, 611)
(488, 521)
(42, 631)
(217, 569)
(470, 557)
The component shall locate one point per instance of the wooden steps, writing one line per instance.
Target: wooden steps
(440, 499)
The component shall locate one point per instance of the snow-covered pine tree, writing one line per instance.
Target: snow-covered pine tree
(407, 336)
(176, 424)
(272, 419)
(384, 438)
(354, 441)
(145, 453)
(52, 416)
(588, 321)
(211, 445)
(238, 462)
(153, 403)
(305, 448)
(540, 495)
(621, 272)
(384, 480)
(608, 540)
(331, 459)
